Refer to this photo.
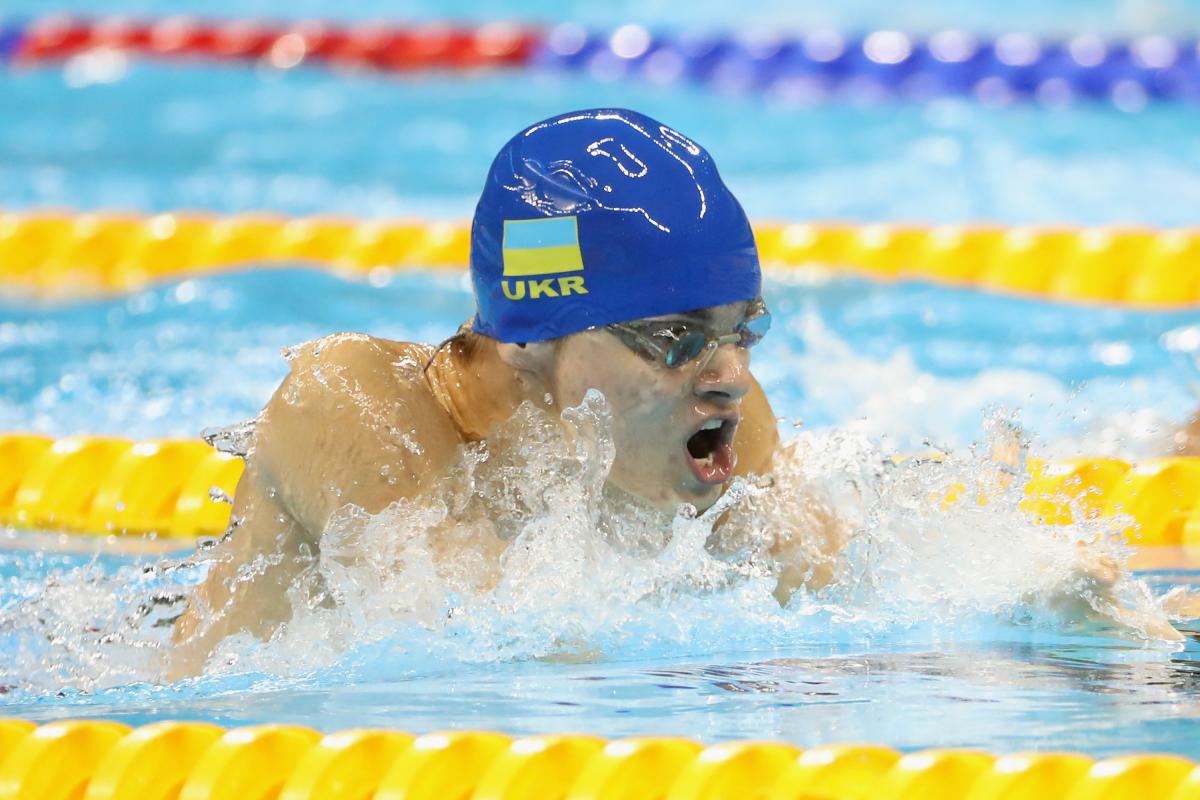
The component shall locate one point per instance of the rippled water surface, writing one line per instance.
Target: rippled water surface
(234, 138)
(977, 684)
(911, 362)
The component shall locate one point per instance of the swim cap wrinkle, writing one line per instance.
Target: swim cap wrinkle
(603, 216)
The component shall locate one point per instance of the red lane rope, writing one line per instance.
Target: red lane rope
(375, 46)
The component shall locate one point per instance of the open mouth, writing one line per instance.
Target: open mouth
(710, 450)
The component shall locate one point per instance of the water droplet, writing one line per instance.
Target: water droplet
(233, 439)
(219, 495)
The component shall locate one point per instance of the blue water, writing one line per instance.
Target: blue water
(176, 358)
(1005, 696)
(971, 684)
(921, 361)
(908, 363)
(311, 141)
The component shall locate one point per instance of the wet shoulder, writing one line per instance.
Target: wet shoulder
(363, 368)
(380, 382)
(356, 413)
(363, 356)
(757, 436)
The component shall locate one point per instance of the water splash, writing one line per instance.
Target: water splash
(236, 439)
(894, 400)
(523, 551)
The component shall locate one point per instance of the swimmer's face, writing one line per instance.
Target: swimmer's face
(673, 428)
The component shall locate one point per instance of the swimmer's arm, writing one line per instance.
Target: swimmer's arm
(806, 543)
(250, 572)
(806, 549)
(1187, 438)
(1089, 596)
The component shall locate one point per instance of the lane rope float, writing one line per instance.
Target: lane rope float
(392, 48)
(104, 485)
(65, 253)
(887, 64)
(179, 488)
(99, 760)
(815, 65)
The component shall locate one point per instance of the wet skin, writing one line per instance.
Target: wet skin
(1187, 438)
(359, 420)
(656, 410)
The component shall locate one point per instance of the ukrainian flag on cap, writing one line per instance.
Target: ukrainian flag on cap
(541, 246)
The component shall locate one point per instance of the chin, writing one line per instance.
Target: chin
(668, 499)
(702, 497)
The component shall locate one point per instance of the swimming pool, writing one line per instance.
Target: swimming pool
(871, 369)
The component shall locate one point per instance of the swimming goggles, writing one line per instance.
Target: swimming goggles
(675, 342)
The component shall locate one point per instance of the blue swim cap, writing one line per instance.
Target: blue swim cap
(604, 216)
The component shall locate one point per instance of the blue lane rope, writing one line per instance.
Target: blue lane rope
(817, 65)
(822, 64)
(11, 34)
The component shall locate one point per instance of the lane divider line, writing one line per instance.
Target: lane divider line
(62, 253)
(178, 488)
(815, 65)
(99, 760)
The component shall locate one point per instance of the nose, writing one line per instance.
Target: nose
(725, 377)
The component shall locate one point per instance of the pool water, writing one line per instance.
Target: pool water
(946, 648)
(973, 682)
(316, 141)
(911, 362)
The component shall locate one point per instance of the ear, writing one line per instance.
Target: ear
(530, 360)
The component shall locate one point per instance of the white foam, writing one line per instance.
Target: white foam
(522, 551)
(906, 408)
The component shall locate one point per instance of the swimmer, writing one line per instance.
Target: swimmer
(606, 253)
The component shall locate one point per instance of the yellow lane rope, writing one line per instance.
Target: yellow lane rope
(104, 485)
(59, 253)
(97, 760)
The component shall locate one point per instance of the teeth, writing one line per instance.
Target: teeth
(712, 424)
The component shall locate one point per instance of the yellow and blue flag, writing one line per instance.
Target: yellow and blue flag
(541, 246)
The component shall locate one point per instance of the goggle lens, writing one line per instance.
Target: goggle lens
(692, 344)
(754, 329)
(688, 342)
(685, 348)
